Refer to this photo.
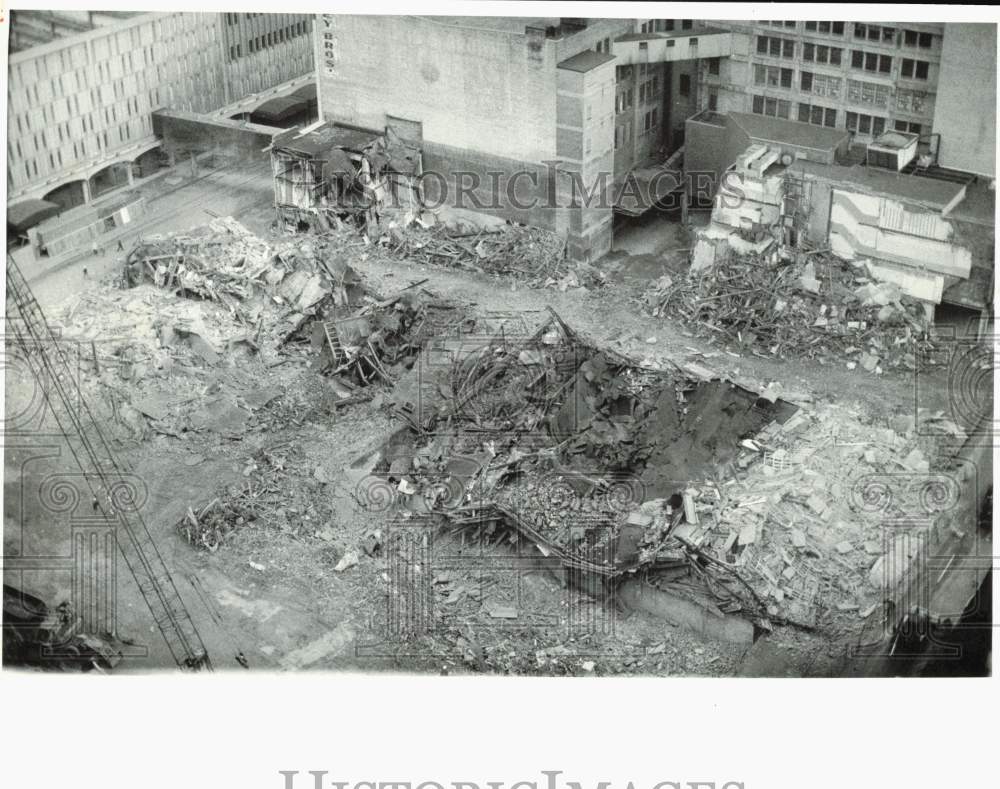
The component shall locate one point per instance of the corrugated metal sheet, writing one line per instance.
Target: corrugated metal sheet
(896, 217)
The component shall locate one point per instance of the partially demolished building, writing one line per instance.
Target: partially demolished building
(927, 230)
(326, 170)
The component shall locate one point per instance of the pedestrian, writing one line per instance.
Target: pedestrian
(93, 248)
(84, 272)
(121, 247)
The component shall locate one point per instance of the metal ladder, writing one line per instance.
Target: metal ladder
(50, 365)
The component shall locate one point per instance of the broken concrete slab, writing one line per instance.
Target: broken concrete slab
(679, 611)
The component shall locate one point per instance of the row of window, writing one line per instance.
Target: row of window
(775, 47)
(819, 115)
(866, 31)
(79, 150)
(889, 35)
(836, 28)
(863, 60)
(820, 53)
(265, 40)
(858, 91)
(665, 25)
(882, 64)
(232, 19)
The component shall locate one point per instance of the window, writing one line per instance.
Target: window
(865, 124)
(775, 47)
(868, 93)
(914, 38)
(685, 85)
(820, 53)
(914, 69)
(837, 28)
(871, 61)
(910, 100)
(818, 116)
(776, 108)
(874, 32)
(907, 126)
(772, 76)
(686, 24)
(713, 65)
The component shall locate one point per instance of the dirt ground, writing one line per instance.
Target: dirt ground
(270, 596)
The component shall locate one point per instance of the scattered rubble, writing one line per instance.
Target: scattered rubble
(815, 305)
(734, 500)
(528, 253)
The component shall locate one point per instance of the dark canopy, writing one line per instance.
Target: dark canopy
(279, 108)
(26, 214)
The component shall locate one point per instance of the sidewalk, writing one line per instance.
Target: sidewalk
(162, 206)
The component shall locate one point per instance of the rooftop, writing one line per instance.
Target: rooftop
(496, 24)
(320, 140)
(585, 61)
(30, 29)
(779, 130)
(693, 33)
(896, 140)
(930, 192)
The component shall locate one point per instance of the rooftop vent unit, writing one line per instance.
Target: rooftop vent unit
(893, 150)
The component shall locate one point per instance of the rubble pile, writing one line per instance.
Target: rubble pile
(220, 262)
(288, 295)
(797, 533)
(732, 499)
(377, 342)
(268, 497)
(528, 253)
(816, 306)
(552, 437)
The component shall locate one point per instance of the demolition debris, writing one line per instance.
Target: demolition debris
(814, 305)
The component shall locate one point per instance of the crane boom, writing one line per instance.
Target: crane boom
(48, 361)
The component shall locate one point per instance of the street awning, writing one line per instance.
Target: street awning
(280, 107)
(307, 92)
(26, 214)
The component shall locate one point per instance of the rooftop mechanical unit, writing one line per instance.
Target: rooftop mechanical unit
(893, 150)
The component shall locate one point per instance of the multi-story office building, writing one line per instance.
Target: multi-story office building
(80, 91)
(864, 77)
